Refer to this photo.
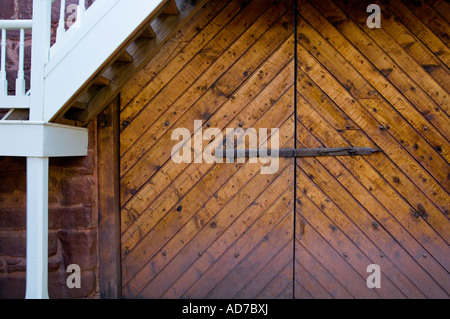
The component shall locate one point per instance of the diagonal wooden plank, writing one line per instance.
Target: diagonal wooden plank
(223, 207)
(407, 189)
(427, 36)
(385, 222)
(416, 48)
(259, 258)
(335, 263)
(318, 271)
(332, 223)
(188, 99)
(170, 52)
(286, 131)
(281, 286)
(252, 111)
(382, 138)
(230, 24)
(276, 219)
(423, 80)
(308, 283)
(246, 94)
(432, 20)
(270, 121)
(229, 234)
(253, 283)
(387, 67)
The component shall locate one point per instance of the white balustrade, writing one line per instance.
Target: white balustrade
(70, 17)
(63, 22)
(19, 99)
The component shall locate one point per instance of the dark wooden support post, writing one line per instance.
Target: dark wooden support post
(109, 204)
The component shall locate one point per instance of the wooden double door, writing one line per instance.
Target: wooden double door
(311, 229)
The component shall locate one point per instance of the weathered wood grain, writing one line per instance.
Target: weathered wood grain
(204, 230)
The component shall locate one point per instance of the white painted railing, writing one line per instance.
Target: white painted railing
(19, 100)
(74, 13)
(71, 14)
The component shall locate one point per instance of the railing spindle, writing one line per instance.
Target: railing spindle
(20, 82)
(62, 21)
(3, 81)
(80, 11)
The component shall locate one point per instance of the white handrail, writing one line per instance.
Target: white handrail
(16, 24)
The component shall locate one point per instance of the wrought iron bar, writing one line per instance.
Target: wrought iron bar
(304, 152)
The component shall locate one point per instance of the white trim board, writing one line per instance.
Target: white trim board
(42, 139)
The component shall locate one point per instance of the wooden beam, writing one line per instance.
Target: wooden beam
(101, 81)
(143, 51)
(171, 8)
(125, 57)
(108, 201)
(79, 105)
(148, 33)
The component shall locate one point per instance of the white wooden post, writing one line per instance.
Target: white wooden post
(20, 81)
(80, 11)
(37, 167)
(37, 228)
(3, 81)
(62, 21)
(40, 52)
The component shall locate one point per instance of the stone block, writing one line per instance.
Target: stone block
(79, 247)
(58, 285)
(13, 218)
(2, 266)
(13, 243)
(79, 217)
(25, 9)
(7, 9)
(76, 190)
(14, 264)
(12, 286)
(13, 182)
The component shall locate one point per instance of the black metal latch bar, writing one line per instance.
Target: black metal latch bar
(305, 152)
